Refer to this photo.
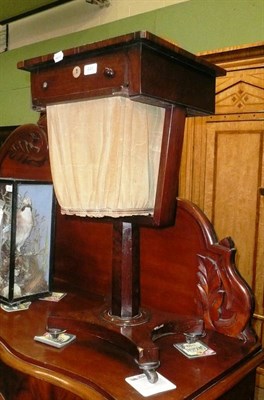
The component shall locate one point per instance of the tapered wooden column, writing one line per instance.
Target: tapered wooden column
(125, 270)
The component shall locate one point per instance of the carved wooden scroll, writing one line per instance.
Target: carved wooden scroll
(222, 293)
(27, 144)
(224, 298)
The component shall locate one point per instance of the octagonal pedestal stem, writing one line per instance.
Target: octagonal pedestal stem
(125, 271)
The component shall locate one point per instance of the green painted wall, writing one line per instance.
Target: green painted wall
(196, 25)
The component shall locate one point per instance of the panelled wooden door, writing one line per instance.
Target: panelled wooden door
(232, 200)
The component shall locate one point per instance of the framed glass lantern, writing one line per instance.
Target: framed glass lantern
(26, 239)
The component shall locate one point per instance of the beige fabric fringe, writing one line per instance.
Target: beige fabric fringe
(105, 155)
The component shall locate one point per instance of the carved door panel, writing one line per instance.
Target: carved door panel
(241, 90)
